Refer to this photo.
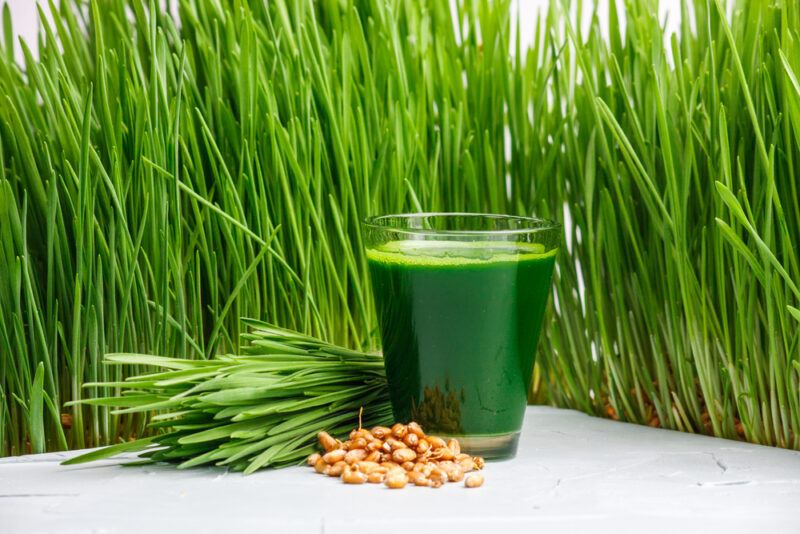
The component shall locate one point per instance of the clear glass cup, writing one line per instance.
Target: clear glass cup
(460, 300)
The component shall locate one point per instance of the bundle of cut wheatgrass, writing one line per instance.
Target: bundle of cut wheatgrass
(260, 408)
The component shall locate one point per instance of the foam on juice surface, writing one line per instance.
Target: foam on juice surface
(436, 252)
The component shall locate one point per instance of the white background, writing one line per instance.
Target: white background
(25, 16)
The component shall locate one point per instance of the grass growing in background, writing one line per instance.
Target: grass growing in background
(159, 180)
(679, 168)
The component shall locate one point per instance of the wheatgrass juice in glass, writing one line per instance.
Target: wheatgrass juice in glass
(460, 320)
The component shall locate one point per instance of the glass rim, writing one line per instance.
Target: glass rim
(536, 224)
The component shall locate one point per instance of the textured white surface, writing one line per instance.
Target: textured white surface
(573, 473)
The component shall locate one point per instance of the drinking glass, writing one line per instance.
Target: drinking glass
(460, 299)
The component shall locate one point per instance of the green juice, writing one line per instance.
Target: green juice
(459, 323)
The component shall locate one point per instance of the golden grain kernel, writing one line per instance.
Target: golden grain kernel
(438, 476)
(390, 465)
(367, 467)
(336, 469)
(376, 477)
(413, 476)
(312, 459)
(334, 456)
(467, 464)
(374, 457)
(414, 428)
(423, 446)
(361, 433)
(396, 480)
(321, 465)
(395, 444)
(461, 456)
(355, 455)
(442, 453)
(474, 481)
(454, 446)
(358, 443)
(455, 473)
(436, 442)
(412, 440)
(404, 455)
(407, 466)
(327, 441)
(422, 480)
(374, 445)
(353, 476)
(479, 462)
(386, 457)
(381, 432)
(399, 430)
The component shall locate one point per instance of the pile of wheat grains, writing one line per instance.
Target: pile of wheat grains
(396, 456)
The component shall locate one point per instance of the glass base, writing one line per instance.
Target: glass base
(497, 447)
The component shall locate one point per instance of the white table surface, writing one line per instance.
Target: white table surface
(573, 473)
